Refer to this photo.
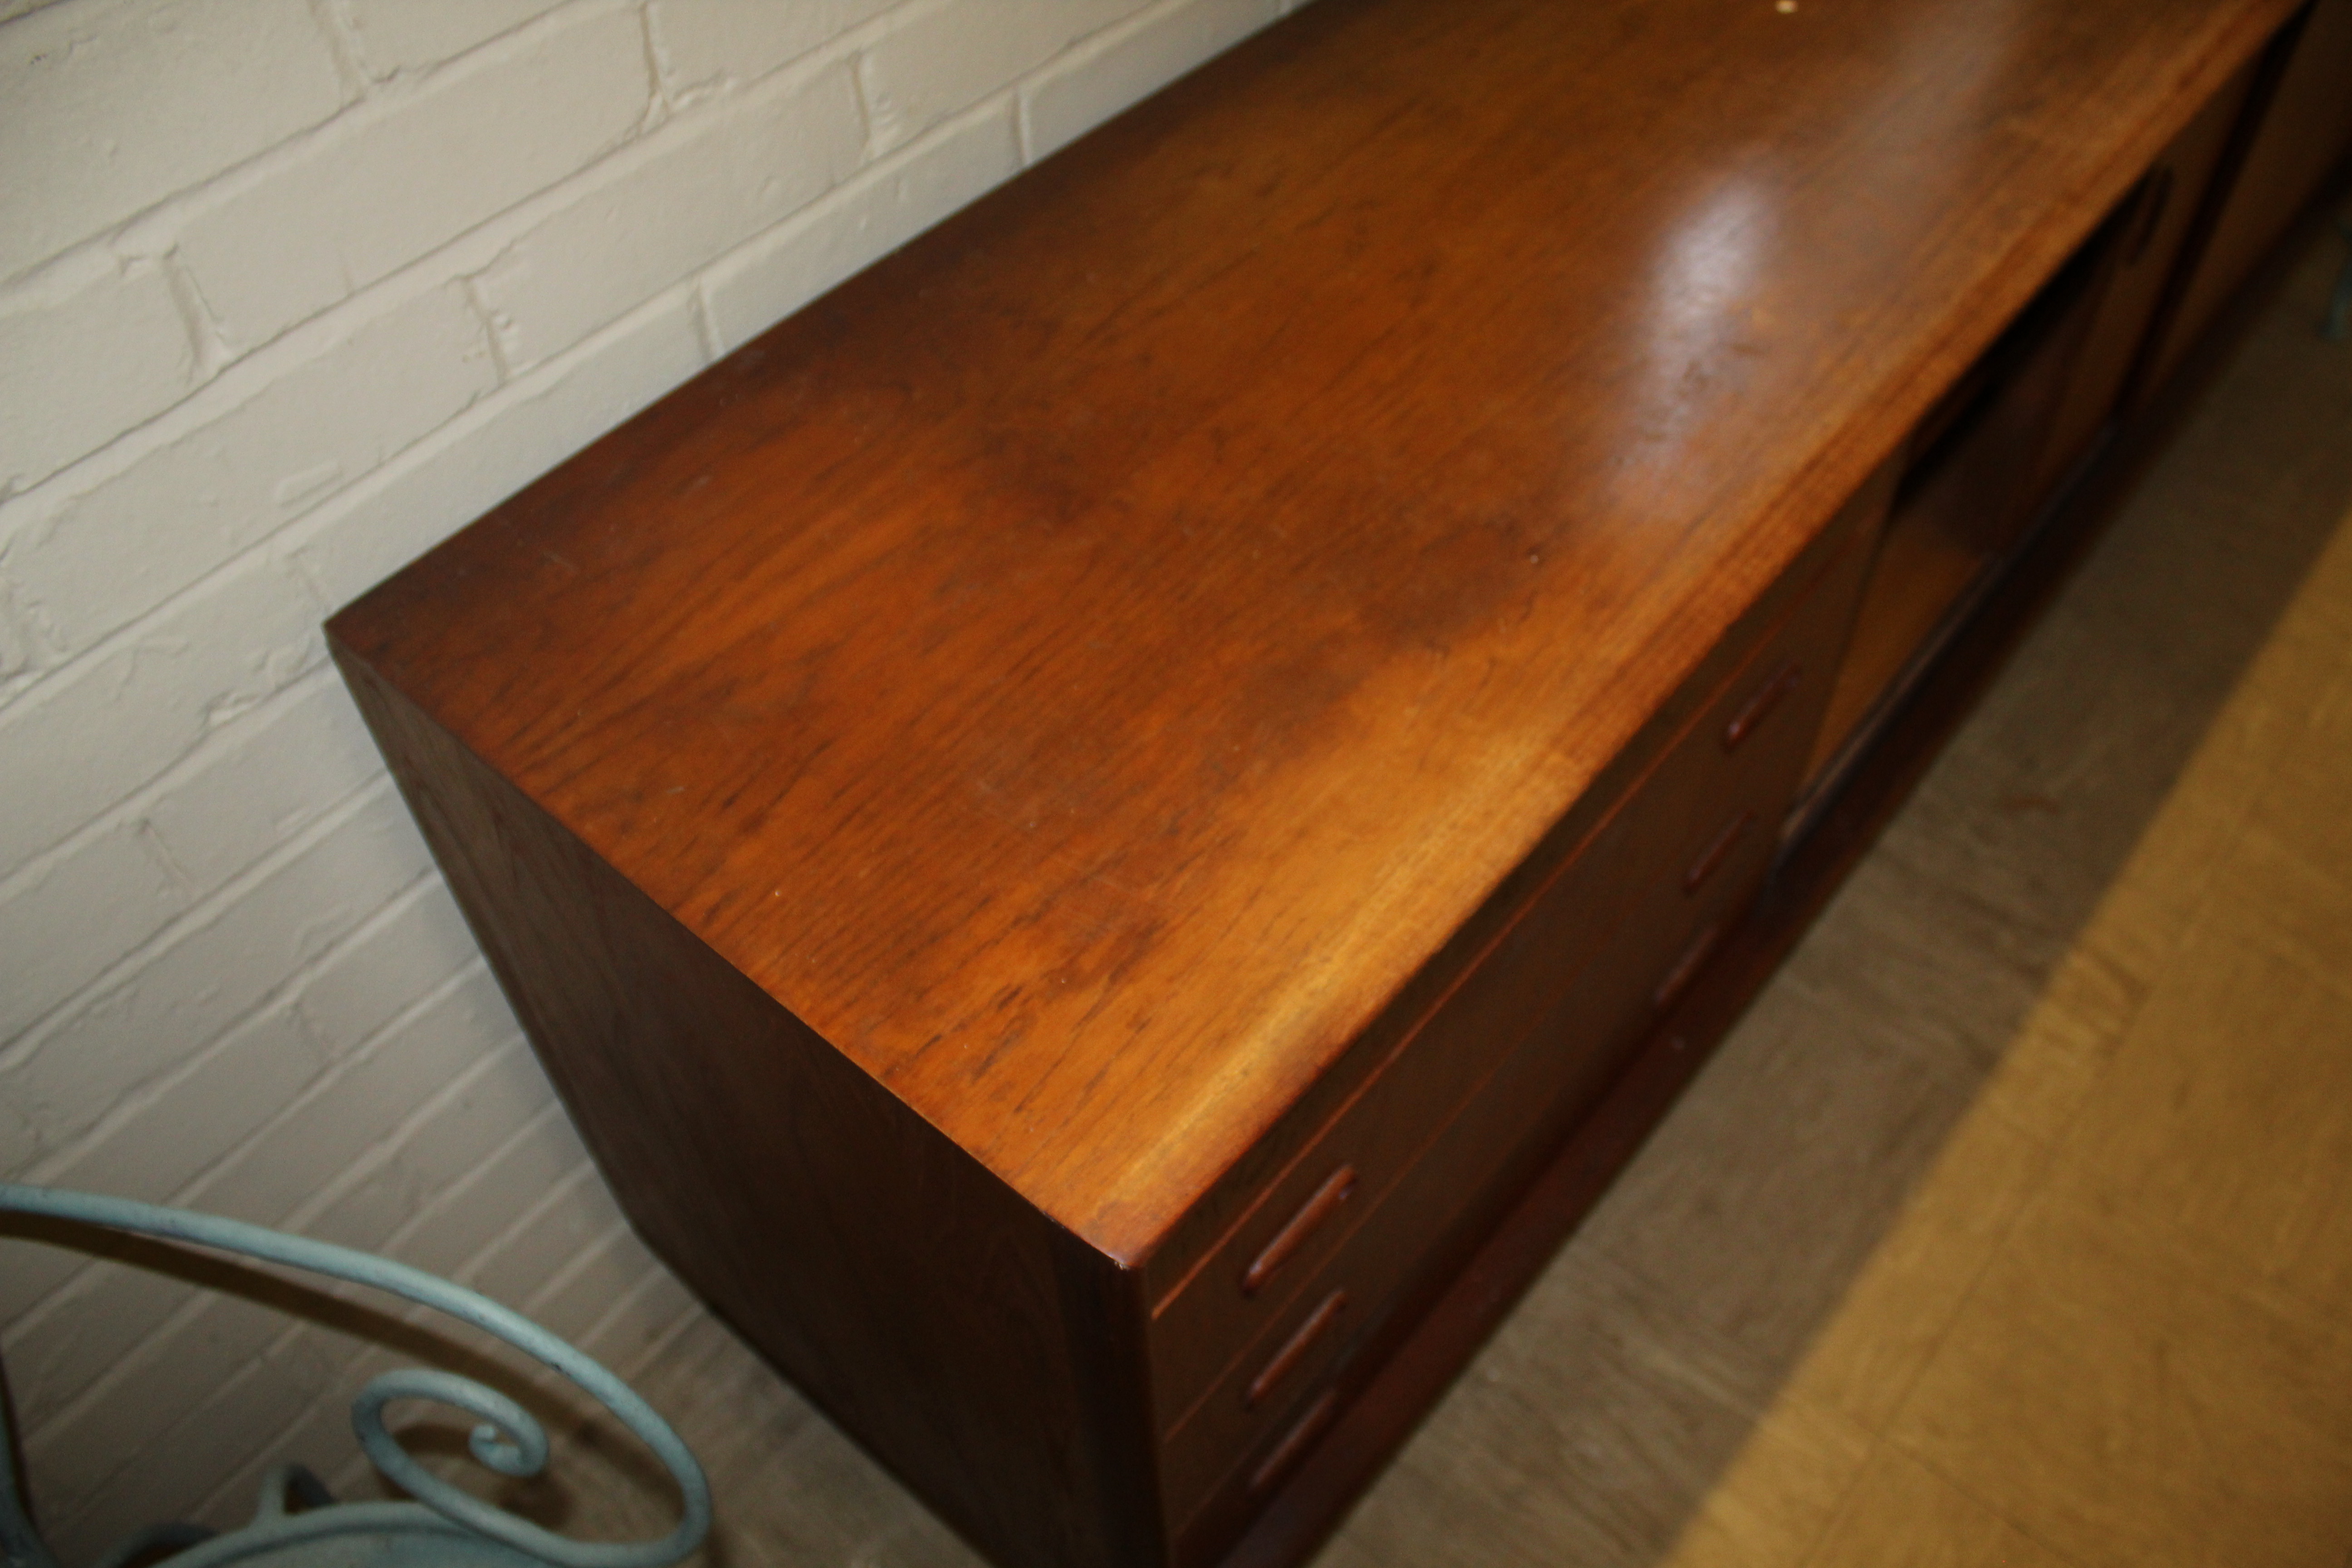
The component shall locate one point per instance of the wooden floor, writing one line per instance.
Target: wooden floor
(2015, 1224)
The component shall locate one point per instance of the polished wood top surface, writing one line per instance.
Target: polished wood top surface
(1085, 665)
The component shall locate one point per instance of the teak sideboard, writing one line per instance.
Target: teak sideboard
(1110, 831)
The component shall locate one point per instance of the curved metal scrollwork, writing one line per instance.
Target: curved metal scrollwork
(508, 1439)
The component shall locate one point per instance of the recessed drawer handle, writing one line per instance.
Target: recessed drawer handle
(1295, 1442)
(1686, 968)
(1711, 859)
(1749, 718)
(1292, 1237)
(1293, 1350)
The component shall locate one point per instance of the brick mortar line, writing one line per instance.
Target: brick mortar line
(420, 278)
(191, 1194)
(250, 373)
(138, 237)
(201, 1303)
(204, 912)
(460, 261)
(316, 520)
(131, 809)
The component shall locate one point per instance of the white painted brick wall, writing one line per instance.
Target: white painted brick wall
(291, 289)
(898, 197)
(118, 717)
(1093, 82)
(108, 551)
(88, 351)
(701, 46)
(114, 106)
(691, 190)
(391, 36)
(412, 169)
(940, 57)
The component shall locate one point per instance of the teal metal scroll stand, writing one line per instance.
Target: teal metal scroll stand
(443, 1526)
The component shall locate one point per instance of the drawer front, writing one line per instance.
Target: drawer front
(1551, 1006)
(1237, 1451)
(1708, 826)
(1257, 1278)
(1233, 1433)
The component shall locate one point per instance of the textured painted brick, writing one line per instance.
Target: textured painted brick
(567, 1220)
(364, 1215)
(1103, 76)
(419, 1185)
(469, 1219)
(495, 1115)
(654, 1312)
(262, 779)
(19, 1142)
(89, 736)
(874, 214)
(402, 35)
(250, 1076)
(596, 1287)
(18, 648)
(702, 45)
(466, 1159)
(590, 1283)
(83, 357)
(319, 1438)
(36, 1269)
(351, 1114)
(388, 1195)
(502, 1118)
(707, 180)
(946, 57)
(97, 559)
(116, 105)
(407, 951)
(62, 925)
(106, 1320)
(387, 184)
(495, 449)
(82, 1333)
(213, 973)
(187, 1455)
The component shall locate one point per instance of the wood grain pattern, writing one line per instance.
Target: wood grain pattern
(973, 1346)
(1749, 1216)
(1478, 1290)
(1076, 824)
(1098, 893)
(1572, 965)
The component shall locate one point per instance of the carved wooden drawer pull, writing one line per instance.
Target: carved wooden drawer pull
(1292, 1237)
(1758, 708)
(1711, 859)
(1293, 1350)
(1686, 968)
(1296, 1442)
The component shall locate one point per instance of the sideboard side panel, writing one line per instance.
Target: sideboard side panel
(973, 1346)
